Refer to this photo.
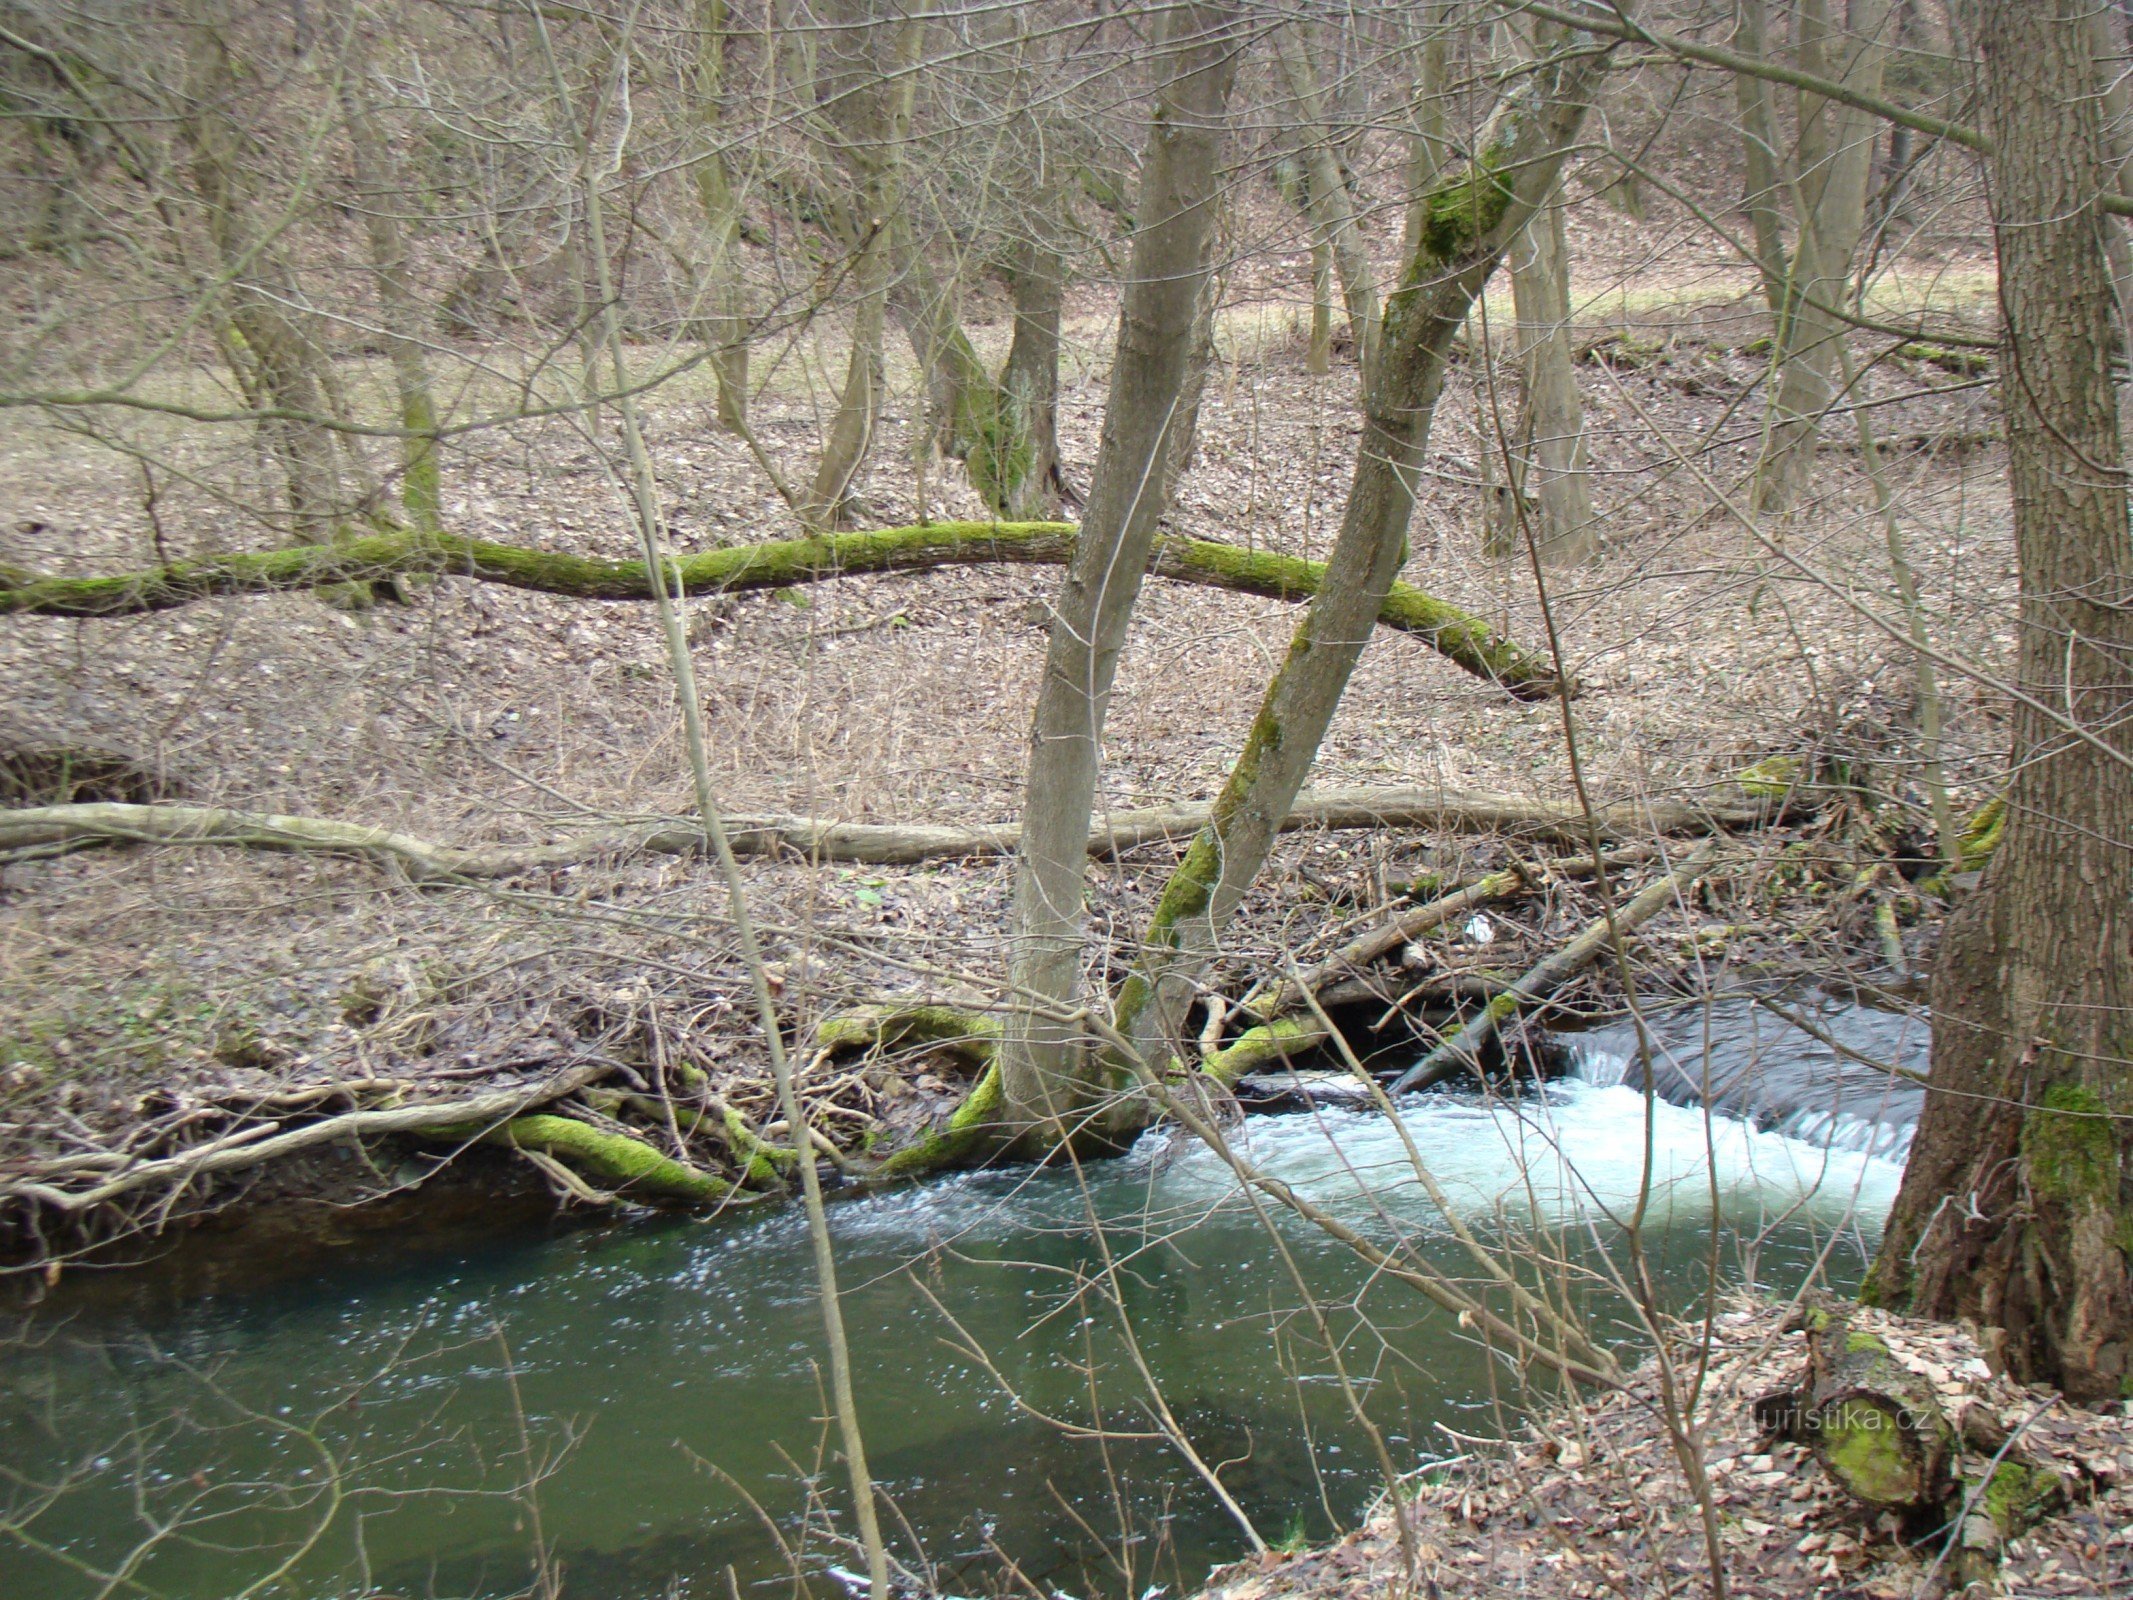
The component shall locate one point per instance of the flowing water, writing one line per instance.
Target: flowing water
(640, 1406)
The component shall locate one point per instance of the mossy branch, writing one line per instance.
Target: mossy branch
(1461, 637)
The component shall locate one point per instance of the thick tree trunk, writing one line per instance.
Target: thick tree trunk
(2017, 1205)
(1550, 471)
(1041, 1077)
(1836, 160)
(1472, 220)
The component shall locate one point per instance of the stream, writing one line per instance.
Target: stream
(638, 1408)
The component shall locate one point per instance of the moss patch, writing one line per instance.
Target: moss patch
(2068, 1149)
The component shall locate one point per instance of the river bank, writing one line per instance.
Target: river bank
(1593, 1500)
(638, 1405)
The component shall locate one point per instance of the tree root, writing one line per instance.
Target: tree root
(472, 1117)
(628, 1167)
(423, 860)
(969, 1034)
(1461, 637)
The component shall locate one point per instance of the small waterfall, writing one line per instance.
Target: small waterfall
(1742, 1059)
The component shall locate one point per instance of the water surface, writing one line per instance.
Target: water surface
(380, 1431)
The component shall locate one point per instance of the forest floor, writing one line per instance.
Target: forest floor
(157, 994)
(1593, 1501)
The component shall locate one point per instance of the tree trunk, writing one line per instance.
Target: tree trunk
(2015, 1210)
(1549, 454)
(1337, 244)
(1429, 150)
(399, 312)
(1472, 220)
(1763, 159)
(871, 101)
(277, 343)
(1836, 160)
(728, 319)
(1041, 1076)
(1034, 485)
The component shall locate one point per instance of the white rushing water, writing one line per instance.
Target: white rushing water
(1579, 1150)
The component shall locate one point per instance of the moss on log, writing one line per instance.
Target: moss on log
(1268, 1044)
(1875, 1426)
(894, 1024)
(629, 1167)
(1461, 637)
(966, 1131)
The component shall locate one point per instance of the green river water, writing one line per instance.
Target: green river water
(639, 1406)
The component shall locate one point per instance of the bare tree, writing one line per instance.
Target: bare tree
(2013, 1210)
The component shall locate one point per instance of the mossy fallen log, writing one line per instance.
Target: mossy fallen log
(425, 860)
(1461, 637)
(1875, 1426)
(626, 1167)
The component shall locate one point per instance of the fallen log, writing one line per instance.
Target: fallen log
(1458, 635)
(1876, 1427)
(893, 844)
(632, 1169)
(1462, 1051)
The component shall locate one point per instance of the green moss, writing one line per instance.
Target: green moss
(1863, 1447)
(2018, 1496)
(1262, 1046)
(905, 1022)
(626, 1165)
(1458, 215)
(955, 1138)
(1859, 1342)
(2068, 1148)
(1771, 778)
(1981, 836)
(1949, 358)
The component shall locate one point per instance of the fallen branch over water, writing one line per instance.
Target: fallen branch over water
(1462, 1051)
(425, 860)
(1458, 635)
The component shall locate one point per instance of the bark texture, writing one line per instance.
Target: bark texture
(1471, 222)
(2016, 1210)
(1158, 320)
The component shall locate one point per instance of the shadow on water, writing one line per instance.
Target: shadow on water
(658, 1377)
